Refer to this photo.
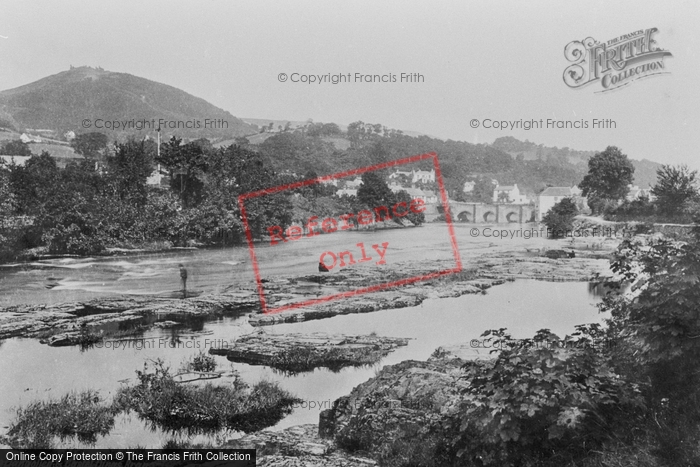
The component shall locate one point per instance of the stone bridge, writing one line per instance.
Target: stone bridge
(491, 213)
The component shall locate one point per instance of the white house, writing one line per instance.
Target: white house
(423, 176)
(18, 160)
(332, 181)
(346, 191)
(511, 194)
(635, 193)
(353, 184)
(25, 138)
(416, 176)
(551, 196)
(468, 187)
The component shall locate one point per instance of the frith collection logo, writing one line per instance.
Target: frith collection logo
(615, 63)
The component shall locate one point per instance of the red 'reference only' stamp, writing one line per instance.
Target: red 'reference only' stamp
(375, 252)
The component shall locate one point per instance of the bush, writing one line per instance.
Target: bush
(543, 397)
(203, 409)
(81, 415)
(640, 209)
(560, 218)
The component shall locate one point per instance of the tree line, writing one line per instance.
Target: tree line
(104, 201)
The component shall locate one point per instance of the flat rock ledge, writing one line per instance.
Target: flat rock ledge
(305, 352)
(391, 299)
(298, 446)
(75, 323)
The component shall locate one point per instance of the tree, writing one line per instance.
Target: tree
(35, 183)
(90, 145)
(186, 164)
(414, 218)
(15, 147)
(128, 169)
(374, 191)
(560, 219)
(674, 188)
(609, 174)
(483, 191)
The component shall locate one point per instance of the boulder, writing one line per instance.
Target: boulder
(401, 411)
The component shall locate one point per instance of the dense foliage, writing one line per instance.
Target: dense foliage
(87, 207)
(675, 188)
(609, 174)
(560, 218)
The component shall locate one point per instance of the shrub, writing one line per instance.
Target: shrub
(207, 408)
(202, 362)
(543, 396)
(81, 415)
(560, 218)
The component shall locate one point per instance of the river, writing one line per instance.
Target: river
(35, 371)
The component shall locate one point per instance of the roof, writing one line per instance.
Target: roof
(505, 188)
(557, 191)
(414, 191)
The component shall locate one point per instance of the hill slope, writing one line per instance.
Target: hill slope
(61, 102)
(644, 170)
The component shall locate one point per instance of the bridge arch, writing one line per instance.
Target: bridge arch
(465, 216)
(489, 217)
(513, 217)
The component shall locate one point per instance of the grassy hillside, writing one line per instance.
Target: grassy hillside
(61, 102)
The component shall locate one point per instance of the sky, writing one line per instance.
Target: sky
(480, 61)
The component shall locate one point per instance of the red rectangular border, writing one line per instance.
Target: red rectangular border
(374, 288)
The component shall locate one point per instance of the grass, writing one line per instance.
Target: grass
(301, 359)
(201, 362)
(203, 408)
(82, 415)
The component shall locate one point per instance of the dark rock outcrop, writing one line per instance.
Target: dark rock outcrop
(298, 446)
(401, 411)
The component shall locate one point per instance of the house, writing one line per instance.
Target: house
(551, 196)
(18, 160)
(353, 184)
(468, 187)
(508, 194)
(156, 177)
(346, 191)
(635, 193)
(415, 176)
(25, 138)
(423, 176)
(430, 197)
(416, 193)
(332, 181)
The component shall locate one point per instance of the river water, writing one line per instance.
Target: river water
(31, 370)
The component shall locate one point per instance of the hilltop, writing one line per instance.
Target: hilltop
(59, 103)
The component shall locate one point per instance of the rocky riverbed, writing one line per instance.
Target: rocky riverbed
(404, 402)
(86, 322)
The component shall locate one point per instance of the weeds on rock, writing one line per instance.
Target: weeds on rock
(206, 408)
